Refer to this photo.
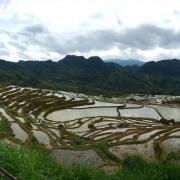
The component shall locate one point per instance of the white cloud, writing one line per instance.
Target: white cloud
(60, 22)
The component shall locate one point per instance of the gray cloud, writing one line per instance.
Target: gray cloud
(145, 37)
(35, 29)
(35, 38)
(39, 35)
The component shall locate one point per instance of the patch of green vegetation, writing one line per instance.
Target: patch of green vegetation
(34, 162)
(5, 128)
(104, 150)
(79, 141)
(173, 156)
(135, 167)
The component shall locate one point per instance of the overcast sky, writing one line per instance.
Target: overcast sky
(123, 29)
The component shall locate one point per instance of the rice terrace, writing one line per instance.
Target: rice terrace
(76, 124)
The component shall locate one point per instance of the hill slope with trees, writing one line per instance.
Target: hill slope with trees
(94, 76)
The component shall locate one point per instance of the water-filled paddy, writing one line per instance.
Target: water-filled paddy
(42, 137)
(19, 132)
(70, 114)
(6, 115)
(168, 112)
(144, 112)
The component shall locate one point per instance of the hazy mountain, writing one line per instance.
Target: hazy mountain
(128, 62)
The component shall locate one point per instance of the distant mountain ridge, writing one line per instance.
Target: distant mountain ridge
(128, 62)
(94, 76)
(163, 67)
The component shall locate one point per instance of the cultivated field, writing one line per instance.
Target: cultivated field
(81, 127)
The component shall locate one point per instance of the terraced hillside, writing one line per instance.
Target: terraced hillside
(68, 123)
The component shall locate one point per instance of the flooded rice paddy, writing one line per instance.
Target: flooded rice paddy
(59, 120)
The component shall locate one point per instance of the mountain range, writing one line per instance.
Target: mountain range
(94, 76)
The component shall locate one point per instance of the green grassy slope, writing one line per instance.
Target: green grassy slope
(35, 163)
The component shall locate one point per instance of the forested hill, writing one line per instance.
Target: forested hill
(94, 76)
(164, 67)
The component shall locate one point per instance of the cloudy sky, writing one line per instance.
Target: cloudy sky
(125, 29)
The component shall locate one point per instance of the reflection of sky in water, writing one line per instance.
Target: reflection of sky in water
(144, 112)
(168, 112)
(70, 114)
